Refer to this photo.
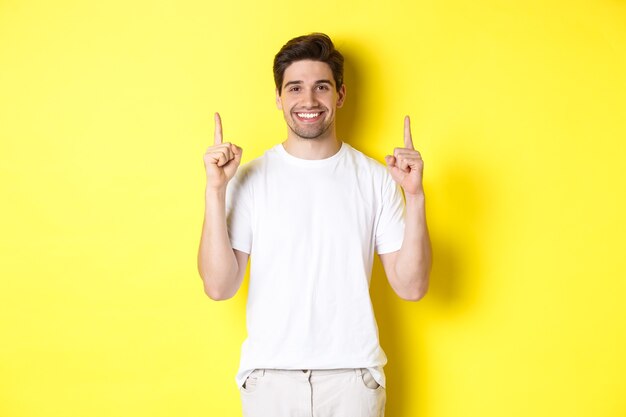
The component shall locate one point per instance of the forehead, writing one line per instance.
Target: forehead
(308, 71)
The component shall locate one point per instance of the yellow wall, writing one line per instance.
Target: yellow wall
(518, 108)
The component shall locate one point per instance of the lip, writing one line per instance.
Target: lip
(309, 120)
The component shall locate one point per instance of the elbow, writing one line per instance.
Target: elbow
(414, 296)
(420, 288)
(416, 293)
(216, 294)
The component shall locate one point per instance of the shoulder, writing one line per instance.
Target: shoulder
(365, 163)
(254, 168)
(254, 172)
(371, 171)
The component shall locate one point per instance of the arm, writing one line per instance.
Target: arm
(220, 266)
(408, 269)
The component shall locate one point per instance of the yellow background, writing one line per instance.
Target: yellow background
(519, 111)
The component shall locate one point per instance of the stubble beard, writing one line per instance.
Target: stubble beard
(308, 132)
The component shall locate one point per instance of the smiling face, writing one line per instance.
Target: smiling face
(309, 99)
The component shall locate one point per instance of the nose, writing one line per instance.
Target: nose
(309, 100)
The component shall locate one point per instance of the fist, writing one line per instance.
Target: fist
(221, 160)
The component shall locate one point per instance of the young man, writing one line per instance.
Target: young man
(311, 212)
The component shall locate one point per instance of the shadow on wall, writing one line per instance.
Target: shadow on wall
(453, 286)
(464, 191)
(349, 115)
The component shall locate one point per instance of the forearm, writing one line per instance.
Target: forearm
(414, 259)
(217, 263)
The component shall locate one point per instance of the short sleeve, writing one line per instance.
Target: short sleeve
(390, 224)
(239, 211)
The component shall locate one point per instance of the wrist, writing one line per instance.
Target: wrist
(215, 192)
(418, 197)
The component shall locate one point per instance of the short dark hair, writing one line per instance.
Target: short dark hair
(316, 47)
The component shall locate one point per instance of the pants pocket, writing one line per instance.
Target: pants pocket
(252, 381)
(368, 380)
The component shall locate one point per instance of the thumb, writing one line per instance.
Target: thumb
(390, 160)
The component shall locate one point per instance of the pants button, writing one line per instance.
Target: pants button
(304, 370)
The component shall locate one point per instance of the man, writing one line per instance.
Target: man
(311, 212)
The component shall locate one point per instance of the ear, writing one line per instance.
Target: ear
(279, 103)
(341, 95)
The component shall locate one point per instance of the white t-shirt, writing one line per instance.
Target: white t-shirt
(311, 228)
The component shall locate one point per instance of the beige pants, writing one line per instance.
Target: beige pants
(312, 393)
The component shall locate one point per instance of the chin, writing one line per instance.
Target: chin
(309, 135)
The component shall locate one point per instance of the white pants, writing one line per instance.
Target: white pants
(312, 393)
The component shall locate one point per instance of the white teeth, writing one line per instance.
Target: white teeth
(308, 115)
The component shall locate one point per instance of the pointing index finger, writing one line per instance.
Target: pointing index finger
(408, 140)
(218, 129)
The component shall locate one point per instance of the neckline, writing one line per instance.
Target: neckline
(311, 162)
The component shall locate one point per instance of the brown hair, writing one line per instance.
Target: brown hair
(316, 47)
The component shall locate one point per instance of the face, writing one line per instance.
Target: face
(309, 99)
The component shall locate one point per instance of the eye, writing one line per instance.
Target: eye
(322, 87)
(294, 88)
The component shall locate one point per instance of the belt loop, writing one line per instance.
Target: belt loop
(262, 371)
(359, 372)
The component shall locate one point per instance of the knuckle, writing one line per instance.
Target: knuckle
(214, 148)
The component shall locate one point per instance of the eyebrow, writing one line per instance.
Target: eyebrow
(316, 82)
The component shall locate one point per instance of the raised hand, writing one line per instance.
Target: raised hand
(406, 165)
(221, 160)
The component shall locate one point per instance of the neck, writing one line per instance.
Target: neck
(321, 147)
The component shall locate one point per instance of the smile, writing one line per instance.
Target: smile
(309, 116)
